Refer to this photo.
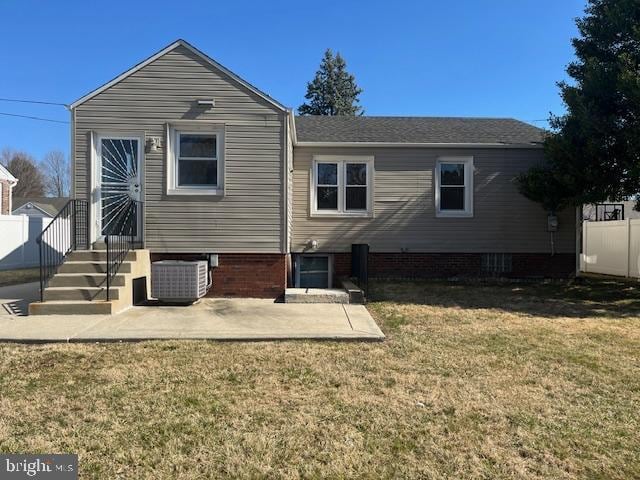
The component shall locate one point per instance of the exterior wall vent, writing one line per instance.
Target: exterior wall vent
(497, 263)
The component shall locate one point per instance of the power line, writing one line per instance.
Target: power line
(18, 100)
(33, 118)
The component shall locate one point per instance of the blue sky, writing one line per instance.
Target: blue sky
(492, 58)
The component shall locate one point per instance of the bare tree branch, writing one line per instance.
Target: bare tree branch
(57, 174)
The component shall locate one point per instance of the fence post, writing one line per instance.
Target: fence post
(585, 234)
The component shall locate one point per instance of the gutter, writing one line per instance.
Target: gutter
(419, 145)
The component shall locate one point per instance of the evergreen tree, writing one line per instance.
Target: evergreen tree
(333, 91)
(593, 151)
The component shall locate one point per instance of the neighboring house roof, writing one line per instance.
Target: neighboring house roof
(415, 130)
(6, 175)
(49, 205)
(173, 46)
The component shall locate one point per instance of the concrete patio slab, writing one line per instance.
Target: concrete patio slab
(15, 299)
(213, 319)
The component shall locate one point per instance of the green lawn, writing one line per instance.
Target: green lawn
(474, 381)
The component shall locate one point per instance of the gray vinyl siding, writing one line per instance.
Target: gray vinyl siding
(404, 206)
(249, 217)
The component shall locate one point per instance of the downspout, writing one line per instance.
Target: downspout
(285, 184)
(291, 141)
(11, 184)
(285, 199)
(579, 233)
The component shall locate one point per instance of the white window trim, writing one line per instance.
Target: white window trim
(172, 146)
(468, 186)
(342, 160)
(298, 259)
(1, 187)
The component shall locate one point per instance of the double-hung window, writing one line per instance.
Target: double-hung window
(196, 162)
(342, 185)
(454, 187)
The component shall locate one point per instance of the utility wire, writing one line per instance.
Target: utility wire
(17, 100)
(33, 118)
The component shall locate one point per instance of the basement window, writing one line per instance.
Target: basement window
(313, 271)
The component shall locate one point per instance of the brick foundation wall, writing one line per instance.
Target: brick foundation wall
(241, 274)
(447, 265)
(4, 204)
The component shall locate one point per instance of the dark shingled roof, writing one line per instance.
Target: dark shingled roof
(416, 130)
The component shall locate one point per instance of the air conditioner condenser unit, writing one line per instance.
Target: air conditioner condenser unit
(176, 281)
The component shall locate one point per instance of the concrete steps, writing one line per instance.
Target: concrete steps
(95, 256)
(68, 307)
(90, 267)
(75, 293)
(82, 280)
(79, 287)
(350, 293)
(315, 295)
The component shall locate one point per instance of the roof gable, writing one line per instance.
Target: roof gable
(6, 174)
(164, 51)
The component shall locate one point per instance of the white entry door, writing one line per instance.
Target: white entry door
(119, 184)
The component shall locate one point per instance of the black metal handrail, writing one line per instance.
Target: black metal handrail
(67, 231)
(121, 240)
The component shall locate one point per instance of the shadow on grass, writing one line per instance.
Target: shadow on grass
(584, 297)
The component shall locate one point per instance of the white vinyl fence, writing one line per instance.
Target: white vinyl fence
(612, 248)
(18, 246)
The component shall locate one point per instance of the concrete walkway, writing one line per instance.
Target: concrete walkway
(213, 319)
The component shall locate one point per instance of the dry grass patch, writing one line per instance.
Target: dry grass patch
(474, 381)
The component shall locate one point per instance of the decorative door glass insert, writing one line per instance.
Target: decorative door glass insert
(119, 183)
